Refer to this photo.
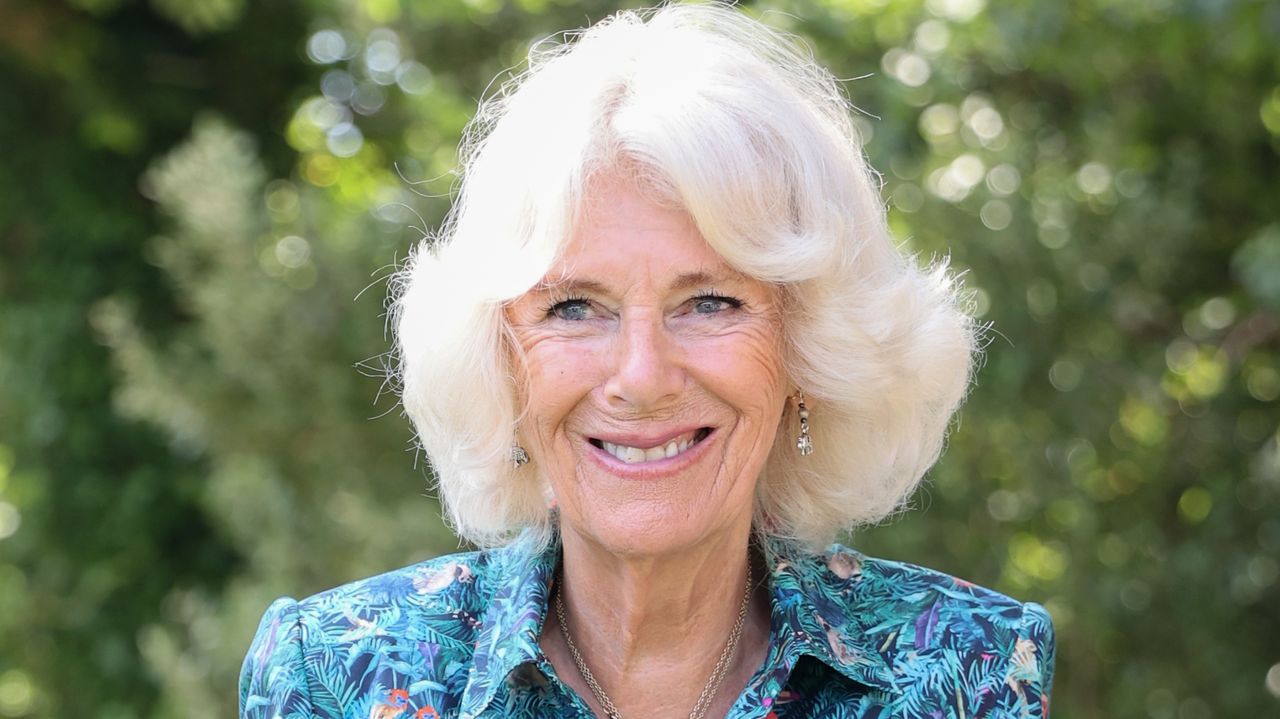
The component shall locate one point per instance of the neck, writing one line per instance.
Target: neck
(646, 621)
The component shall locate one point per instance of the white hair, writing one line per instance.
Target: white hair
(736, 124)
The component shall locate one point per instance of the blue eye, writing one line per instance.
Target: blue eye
(571, 310)
(711, 304)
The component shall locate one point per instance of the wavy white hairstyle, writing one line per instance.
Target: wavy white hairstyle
(735, 123)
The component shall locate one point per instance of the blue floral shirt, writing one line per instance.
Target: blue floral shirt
(852, 637)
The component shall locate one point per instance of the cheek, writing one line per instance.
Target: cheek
(744, 368)
(560, 375)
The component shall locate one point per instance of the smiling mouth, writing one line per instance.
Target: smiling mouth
(671, 448)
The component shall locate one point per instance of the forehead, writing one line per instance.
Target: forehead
(626, 233)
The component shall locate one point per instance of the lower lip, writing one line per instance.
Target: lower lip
(654, 469)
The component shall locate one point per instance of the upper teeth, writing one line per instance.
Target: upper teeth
(632, 455)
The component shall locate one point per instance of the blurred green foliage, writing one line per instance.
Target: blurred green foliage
(200, 202)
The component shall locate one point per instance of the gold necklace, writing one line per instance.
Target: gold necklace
(709, 690)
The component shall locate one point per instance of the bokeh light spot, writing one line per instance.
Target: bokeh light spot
(327, 46)
(996, 214)
(382, 10)
(487, 7)
(1129, 183)
(957, 10)
(344, 139)
(1064, 514)
(1180, 355)
(1004, 179)
(10, 520)
(906, 67)
(1263, 382)
(1004, 506)
(1045, 561)
(1269, 112)
(1113, 551)
(382, 55)
(986, 123)
(1256, 264)
(6, 465)
(1208, 374)
(324, 113)
(1273, 680)
(293, 251)
(1217, 313)
(16, 693)
(1065, 375)
(939, 120)
(321, 170)
(1263, 571)
(368, 98)
(338, 85)
(282, 200)
(907, 197)
(1143, 422)
(1094, 178)
(1194, 505)
(932, 36)
(413, 77)
(968, 169)
(1042, 299)
(1053, 235)
(955, 181)
(864, 128)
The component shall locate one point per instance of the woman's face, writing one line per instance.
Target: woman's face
(655, 385)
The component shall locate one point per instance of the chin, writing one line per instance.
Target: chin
(649, 527)
(654, 538)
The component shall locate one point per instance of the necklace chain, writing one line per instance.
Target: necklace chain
(709, 690)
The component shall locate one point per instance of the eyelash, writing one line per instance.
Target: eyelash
(710, 294)
(707, 294)
(550, 309)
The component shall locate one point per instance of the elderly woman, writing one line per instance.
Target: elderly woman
(663, 352)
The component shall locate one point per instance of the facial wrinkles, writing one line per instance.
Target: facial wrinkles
(637, 272)
(677, 338)
(734, 459)
(697, 406)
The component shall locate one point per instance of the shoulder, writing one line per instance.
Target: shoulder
(887, 588)
(417, 622)
(403, 602)
(995, 652)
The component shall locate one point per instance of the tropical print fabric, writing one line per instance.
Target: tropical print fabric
(852, 638)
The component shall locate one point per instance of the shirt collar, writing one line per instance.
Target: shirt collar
(512, 623)
(815, 612)
(819, 610)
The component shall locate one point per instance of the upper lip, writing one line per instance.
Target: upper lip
(646, 440)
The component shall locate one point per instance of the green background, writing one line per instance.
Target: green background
(201, 200)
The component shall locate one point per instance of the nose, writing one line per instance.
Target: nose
(647, 369)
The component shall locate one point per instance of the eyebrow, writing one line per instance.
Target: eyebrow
(689, 280)
(684, 281)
